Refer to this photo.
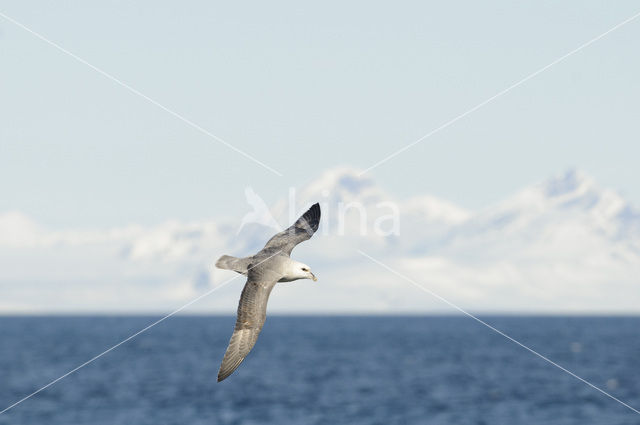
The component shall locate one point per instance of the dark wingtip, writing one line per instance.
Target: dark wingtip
(312, 216)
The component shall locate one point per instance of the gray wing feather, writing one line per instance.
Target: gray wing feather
(252, 312)
(300, 231)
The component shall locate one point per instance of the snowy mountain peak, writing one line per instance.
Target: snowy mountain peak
(566, 243)
(571, 190)
(568, 200)
(342, 184)
(576, 190)
(573, 181)
(346, 178)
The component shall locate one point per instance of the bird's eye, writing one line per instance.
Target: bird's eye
(304, 269)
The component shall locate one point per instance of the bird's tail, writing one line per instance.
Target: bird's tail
(236, 264)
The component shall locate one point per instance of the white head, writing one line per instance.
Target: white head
(301, 271)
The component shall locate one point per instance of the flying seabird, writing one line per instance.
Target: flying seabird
(263, 270)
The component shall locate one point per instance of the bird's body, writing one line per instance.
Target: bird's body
(278, 262)
(263, 270)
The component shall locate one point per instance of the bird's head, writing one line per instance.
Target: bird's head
(304, 272)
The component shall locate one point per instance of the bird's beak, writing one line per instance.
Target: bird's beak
(313, 276)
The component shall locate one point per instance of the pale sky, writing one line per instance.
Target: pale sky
(305, 87)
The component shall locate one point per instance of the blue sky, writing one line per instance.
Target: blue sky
(305, 87)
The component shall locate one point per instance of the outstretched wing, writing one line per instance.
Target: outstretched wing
(300, 231)
(252, 312)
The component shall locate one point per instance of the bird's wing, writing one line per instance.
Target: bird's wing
(300, 231)
(252, 312)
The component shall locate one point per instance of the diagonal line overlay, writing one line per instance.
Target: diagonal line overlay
(477, 319)
(497, 95)
(142, 95)
(113, 347)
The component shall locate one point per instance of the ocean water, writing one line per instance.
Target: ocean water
(321, 370)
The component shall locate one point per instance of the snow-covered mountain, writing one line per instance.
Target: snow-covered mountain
(565, 244)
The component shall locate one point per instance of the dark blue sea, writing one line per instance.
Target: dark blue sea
(321, 370)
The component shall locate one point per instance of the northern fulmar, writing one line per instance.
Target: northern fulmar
(263, 270)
